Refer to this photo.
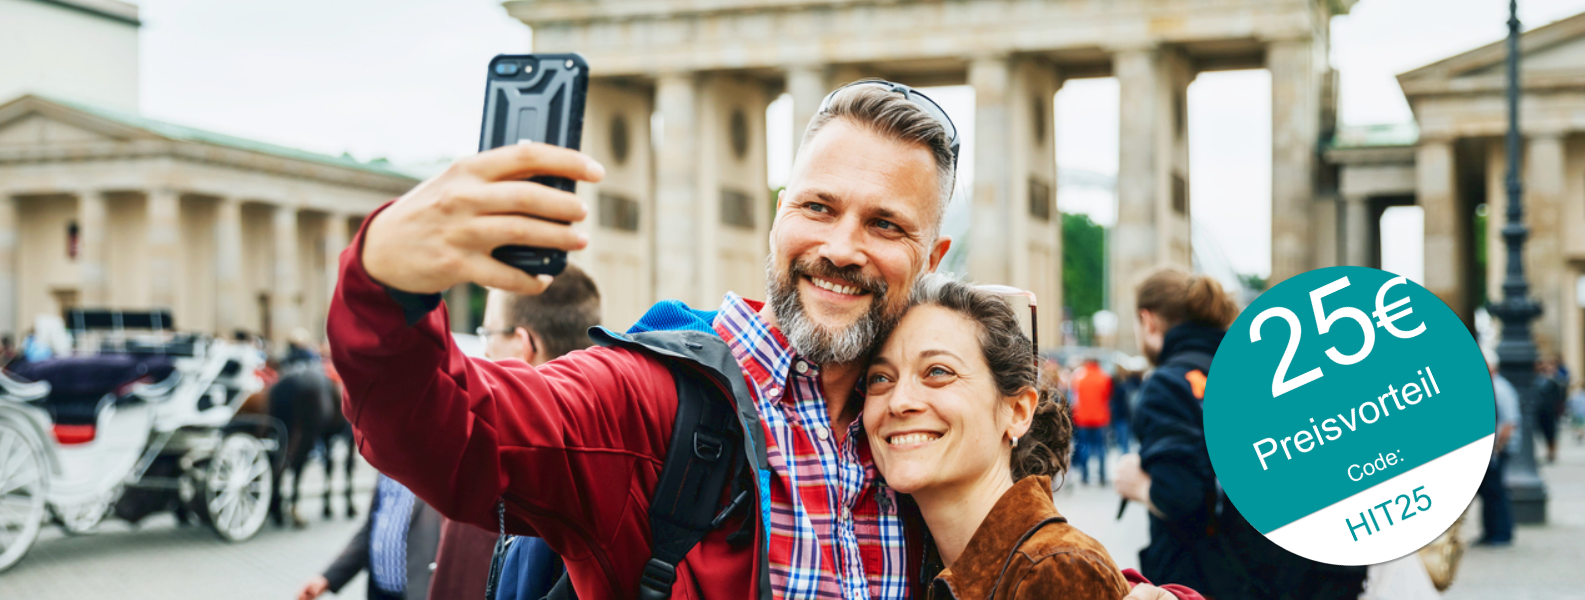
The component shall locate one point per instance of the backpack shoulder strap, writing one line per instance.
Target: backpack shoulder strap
(705, 455)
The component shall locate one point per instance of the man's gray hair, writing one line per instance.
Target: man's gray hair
(892, 115)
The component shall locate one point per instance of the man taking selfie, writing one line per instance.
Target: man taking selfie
(574, 450)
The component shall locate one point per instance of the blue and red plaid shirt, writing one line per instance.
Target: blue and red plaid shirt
(834, 527)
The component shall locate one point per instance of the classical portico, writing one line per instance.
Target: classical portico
(1453, 162)
(100, 208)
(698, 64)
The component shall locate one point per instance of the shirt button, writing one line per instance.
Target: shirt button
(802, 367)
(822, 433)
(847, 515)
(774, 392)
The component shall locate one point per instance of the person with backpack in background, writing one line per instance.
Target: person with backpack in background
(1197, 537)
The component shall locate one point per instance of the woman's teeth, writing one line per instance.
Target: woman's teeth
(840, 289)
(913, 438)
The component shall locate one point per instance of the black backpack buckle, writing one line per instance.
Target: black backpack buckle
(657, 580)
(707, 447)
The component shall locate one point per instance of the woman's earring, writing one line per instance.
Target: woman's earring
(1015, 442)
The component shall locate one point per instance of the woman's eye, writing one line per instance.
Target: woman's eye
(938, 372)
(878, 378)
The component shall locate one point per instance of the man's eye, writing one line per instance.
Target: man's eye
(887, 225)
(817, 207)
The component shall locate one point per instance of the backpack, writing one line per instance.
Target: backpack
(687, 501)
(1239, 562)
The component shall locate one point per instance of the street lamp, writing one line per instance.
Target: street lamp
(1516, 352)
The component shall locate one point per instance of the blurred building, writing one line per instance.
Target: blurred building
(101, 207)
(691, 220)
(1451, 160)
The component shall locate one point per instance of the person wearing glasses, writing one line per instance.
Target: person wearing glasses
(573, 450)
(959, 419)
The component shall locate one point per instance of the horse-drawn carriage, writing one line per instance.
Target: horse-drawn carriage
(138, 420)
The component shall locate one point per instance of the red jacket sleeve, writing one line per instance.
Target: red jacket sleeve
(574, 446)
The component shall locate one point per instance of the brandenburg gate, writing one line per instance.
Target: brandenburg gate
(687, 216)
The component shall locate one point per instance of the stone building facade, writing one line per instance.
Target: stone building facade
(701, 64)
(100, 208)
(1452, 160)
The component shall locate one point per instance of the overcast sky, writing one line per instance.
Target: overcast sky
(402, 80)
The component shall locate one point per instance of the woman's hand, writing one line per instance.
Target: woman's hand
(441, 233)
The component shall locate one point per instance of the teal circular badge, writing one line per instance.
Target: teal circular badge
(1349, 415)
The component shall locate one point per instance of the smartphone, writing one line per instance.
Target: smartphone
(535, 98)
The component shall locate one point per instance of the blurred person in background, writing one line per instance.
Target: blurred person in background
(1496, 514)
(1197, 537)
(1576, 411)
(8, 350)
(533, 329)
(1092, 415)
(300, 350)
(1125, 386)
(1551, 394)
(396, 546)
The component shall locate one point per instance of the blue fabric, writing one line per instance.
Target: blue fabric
(530, 569)
(388, 540)
(1169, 424)
(673, 315)
(1092, 443)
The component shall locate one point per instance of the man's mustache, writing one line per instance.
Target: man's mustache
(853, 275)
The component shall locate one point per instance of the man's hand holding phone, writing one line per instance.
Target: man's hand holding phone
(441, 233)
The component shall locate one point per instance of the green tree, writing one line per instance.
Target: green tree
(1083, 264)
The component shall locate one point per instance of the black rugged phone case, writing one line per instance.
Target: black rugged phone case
(542, 100)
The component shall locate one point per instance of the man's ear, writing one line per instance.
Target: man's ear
(1023, 405)
(781, 197)
(943, 243)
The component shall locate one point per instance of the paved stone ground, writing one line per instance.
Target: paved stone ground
(160, 561)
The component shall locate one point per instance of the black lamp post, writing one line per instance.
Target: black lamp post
(1516, 352)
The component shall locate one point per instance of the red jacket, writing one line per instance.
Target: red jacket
(573, 447)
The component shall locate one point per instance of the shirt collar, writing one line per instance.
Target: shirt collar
(760, 348)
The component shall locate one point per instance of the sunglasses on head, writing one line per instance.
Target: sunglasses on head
(912, 95)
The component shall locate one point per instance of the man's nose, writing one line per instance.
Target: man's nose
(845, 244)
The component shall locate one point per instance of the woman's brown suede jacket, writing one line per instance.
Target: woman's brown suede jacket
(1025, 550)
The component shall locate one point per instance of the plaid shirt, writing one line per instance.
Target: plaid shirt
(834, 527)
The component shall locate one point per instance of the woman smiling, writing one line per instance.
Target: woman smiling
(957, 418)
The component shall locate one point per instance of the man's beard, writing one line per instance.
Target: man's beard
(819, 343)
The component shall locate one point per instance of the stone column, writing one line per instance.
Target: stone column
(230, 298)
(807, 86)
(336, 240)
(1436, 185)
(286, 295)
(677, 193)
(1295, 127)
(1356, 231)
(1152, 179)
(91, 216)
(1545, 263)
(459, 309)
(992, 230)
(9, 319)
(163, 221)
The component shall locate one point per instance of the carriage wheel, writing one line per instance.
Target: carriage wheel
(236, 488)
(22, 504)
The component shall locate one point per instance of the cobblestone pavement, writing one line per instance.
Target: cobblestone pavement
(158, 560)
(162, 561)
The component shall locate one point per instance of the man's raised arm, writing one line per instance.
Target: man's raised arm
(461, 432)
